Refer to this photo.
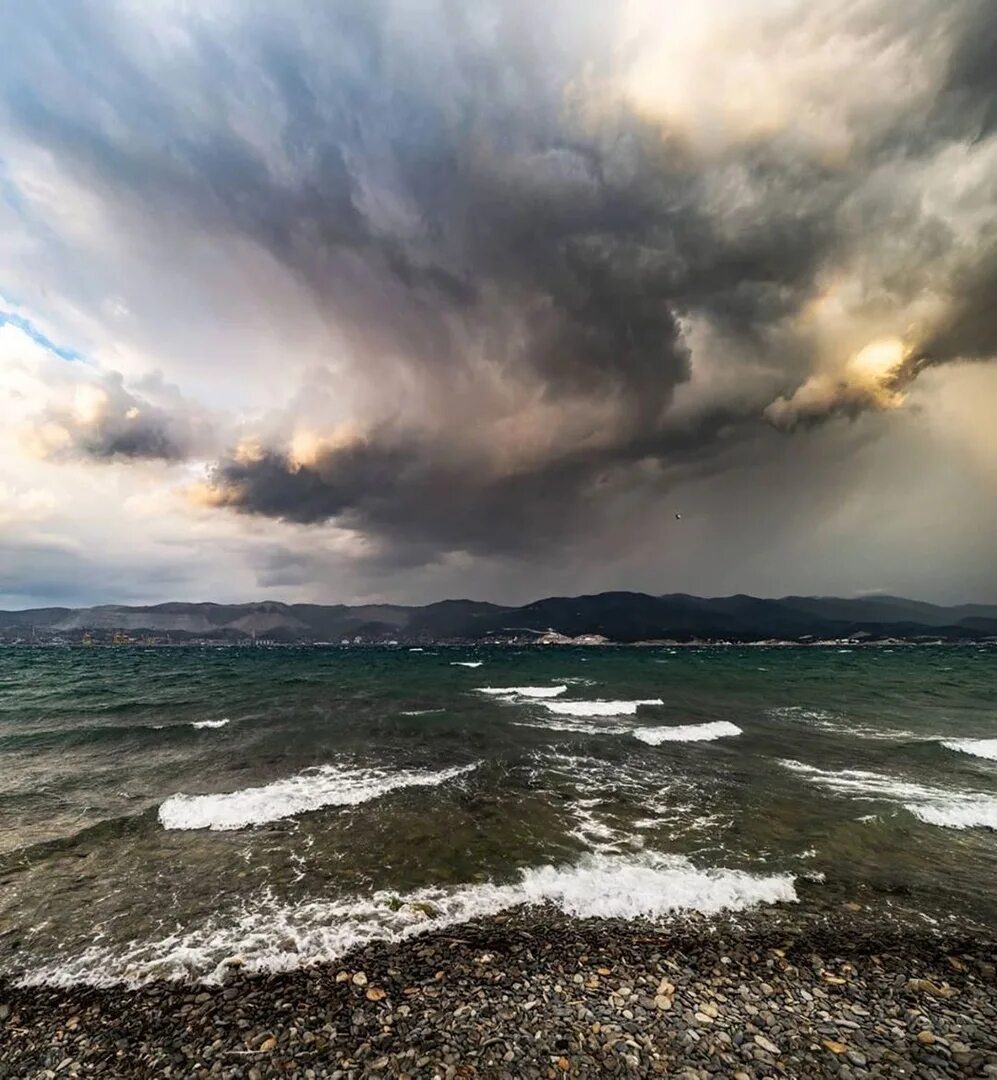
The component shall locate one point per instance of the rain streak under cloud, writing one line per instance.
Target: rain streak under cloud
(410, 299)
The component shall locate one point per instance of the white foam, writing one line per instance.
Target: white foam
(327, 785)
(415, 650)
(717, 729)
(273, 936)
(592, 831)
(982, 748)
(524, 691)
(951, 809)
(578, 726)
(210, 723)
(601, 724)
(599, 708)
(466, 663)
(829, 721)
(835, 722)
(420, 712)
(965, 813)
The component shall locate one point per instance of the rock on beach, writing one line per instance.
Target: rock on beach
(536, 994)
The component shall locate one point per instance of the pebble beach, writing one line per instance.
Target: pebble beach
(533, 993)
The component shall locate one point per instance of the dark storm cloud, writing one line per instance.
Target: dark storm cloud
(103, 420)
(417, 496)
(469, 209)
(972, 74)
(968, 331)
(467, 226)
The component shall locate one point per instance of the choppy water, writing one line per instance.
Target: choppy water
(165, 811)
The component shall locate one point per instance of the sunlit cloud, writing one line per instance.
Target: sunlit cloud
(418, 298)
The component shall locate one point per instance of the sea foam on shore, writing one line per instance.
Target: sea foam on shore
(269, 935)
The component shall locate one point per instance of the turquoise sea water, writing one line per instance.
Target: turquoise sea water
(168, 811)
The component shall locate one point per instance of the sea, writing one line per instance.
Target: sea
(176, 812)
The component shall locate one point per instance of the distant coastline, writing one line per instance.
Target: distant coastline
(623, 618)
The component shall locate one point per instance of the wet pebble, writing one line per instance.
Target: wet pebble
(537, 994)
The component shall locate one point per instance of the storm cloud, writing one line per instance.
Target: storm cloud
(555, 261)
(103, 420)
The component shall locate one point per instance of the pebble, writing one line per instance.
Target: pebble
(539, 995)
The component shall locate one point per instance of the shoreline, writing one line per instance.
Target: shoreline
(420, 644)
(777, 991)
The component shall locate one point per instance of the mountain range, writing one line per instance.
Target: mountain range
(617, 616)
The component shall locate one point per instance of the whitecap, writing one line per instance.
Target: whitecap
(602, 724)
(210, 723)
(326, 785)
(981, 748)
(524, 691)
(717, 729)
(270, 935)
(835, 722)
(577, 726)
(591, 830)
(466, 663)
(961, 813)
(952, 809)
(420, 712)
(599, 708)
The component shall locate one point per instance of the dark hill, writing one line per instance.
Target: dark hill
(619, 616)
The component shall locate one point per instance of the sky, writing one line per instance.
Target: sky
(415, 299)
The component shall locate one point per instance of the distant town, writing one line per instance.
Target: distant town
(601, 619)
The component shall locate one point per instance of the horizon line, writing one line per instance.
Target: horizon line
(467, 600)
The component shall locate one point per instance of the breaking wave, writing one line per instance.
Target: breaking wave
(599, 708)
(981, 748)
(824, 720)
(327, 785)
(979, 812)
(934, 805)
(834, 722)
(718, 729)
(524, 691)
(274, 936)
(209, 723)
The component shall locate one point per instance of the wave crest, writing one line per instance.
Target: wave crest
(271, 936)
(524, 691)
(951, 809)
(327, 785)
(981, 748)
(599, 708)
(717, 729)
